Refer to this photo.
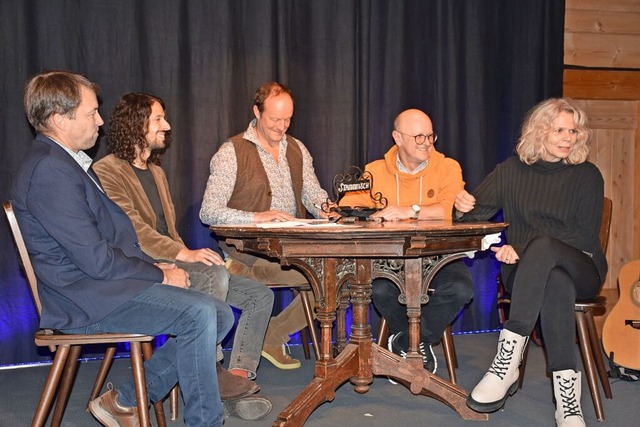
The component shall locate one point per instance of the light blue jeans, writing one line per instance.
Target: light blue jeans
(196, 321)
(253, 299)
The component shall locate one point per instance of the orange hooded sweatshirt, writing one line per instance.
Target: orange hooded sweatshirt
(439, 182)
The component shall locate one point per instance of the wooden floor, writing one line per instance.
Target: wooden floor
(384, 405)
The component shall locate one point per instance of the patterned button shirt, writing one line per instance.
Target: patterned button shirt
(222, 178)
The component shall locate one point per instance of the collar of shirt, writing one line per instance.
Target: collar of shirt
(80, 157)
(250, 135)
(402, 168)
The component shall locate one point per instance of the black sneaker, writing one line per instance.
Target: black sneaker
(393, 347)
(429, 360)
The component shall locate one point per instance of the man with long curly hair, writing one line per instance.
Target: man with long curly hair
(131, 175)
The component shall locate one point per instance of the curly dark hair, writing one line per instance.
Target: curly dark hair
(129, 124)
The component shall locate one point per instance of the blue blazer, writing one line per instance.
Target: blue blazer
(83, 247)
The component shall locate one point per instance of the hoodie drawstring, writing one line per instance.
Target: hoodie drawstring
(398, 191)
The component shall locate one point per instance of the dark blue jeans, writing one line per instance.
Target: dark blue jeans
(197, 322)
(545, 283)
(452, 289)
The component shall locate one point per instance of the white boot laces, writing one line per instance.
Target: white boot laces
(570, 405)
(500, 364)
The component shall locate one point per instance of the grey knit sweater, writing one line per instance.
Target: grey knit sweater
(555, 199)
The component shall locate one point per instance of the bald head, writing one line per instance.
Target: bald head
(410, 119)
(408, 125)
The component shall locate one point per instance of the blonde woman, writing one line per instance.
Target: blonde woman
(552, 197)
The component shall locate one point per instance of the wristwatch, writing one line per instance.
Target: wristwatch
(416, 211)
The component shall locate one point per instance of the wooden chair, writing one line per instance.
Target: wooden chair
(67, 350)
(310, 331)
(587, 333)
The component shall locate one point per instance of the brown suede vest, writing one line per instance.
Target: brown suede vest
(252, 191)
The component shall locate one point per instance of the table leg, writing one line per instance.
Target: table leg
(420, 381)
(329, 376)
(341, 324)
(351, 363)
(361, 358)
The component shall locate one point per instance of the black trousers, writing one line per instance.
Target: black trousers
(545, 283)
(452, 289)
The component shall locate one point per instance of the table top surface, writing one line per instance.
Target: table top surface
(320, 229)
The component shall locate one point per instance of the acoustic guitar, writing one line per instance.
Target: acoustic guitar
(621, 330)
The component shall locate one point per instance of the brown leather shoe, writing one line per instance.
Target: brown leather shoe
(278, 356)
(110, 413)
(233, 386)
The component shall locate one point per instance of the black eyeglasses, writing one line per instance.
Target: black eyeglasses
(422, 138)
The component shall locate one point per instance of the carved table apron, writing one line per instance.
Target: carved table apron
(407, 252)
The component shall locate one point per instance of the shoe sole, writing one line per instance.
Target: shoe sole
(278, 364)
(492, 406)
(248, 409)
(102, 415)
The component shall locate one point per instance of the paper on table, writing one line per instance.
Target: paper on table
(297, 223)
(487, 241)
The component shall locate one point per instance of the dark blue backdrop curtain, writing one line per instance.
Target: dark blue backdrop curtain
(475, 66)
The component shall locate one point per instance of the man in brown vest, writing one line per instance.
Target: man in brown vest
(263, 174)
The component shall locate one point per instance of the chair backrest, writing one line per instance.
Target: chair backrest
(24, 255)
(605, 226)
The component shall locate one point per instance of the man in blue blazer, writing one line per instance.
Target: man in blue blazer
(92, 275)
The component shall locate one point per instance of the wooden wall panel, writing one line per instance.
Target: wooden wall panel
(611, 5)
(602, 33)
(614, 150)
(602, 22)
(602, 50)
(602, 84)
(606, 33)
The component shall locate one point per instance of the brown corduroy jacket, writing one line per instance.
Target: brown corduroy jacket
(123, 187)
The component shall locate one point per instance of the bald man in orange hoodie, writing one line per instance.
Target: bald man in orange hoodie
(419, 183)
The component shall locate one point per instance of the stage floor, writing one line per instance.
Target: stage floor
(384, 405)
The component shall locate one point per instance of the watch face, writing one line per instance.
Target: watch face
(416, 211)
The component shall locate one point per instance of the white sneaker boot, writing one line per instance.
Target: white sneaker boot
(501, 380)
(567, 390)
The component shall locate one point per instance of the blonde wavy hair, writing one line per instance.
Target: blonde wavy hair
(539, 123)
